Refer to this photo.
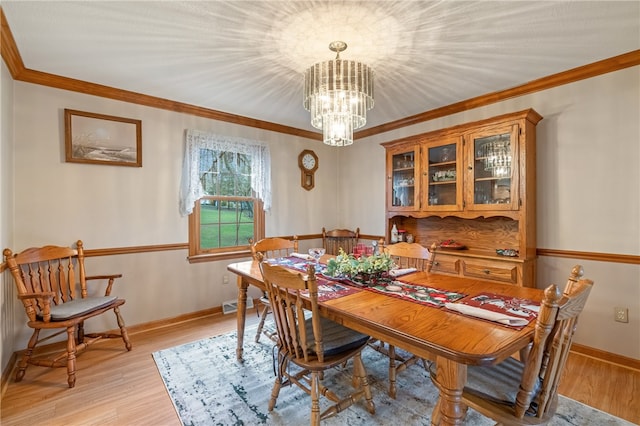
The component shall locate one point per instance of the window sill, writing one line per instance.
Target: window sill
(212, 257)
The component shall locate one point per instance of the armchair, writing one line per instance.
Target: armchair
(52, 286)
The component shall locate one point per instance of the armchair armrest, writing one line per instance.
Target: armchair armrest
(110, 277)
(45, 297)
(41, 295)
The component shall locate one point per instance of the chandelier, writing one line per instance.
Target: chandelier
(338, 94)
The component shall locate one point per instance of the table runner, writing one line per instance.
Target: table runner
(327, 288)
(333, 288)
(425, 295)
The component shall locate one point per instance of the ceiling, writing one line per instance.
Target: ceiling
(247, 57)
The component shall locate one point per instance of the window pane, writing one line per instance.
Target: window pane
(225, 223)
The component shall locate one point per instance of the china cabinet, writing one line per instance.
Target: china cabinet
(474, 184)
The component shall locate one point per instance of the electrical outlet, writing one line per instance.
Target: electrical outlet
(225, 279)
(621, 314)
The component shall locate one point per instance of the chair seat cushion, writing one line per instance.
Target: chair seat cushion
(79, 307)
(498, 383)
(336, 338)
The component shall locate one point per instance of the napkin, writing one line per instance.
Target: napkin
(487, 314)
(302, 256)
(400, 272)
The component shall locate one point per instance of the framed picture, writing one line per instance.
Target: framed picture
(102, 139)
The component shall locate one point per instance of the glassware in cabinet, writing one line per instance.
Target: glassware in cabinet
(442, 175)
(494, 169)
(404, 187)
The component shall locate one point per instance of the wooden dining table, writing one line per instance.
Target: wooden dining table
(452, 340)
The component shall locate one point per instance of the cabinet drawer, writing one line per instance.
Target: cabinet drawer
(502, 272)
(446, 265)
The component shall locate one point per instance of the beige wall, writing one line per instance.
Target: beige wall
(108, 206)
(7, 295)
(588, 152)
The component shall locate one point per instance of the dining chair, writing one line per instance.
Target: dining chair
(412, 255)
(405, 255)
(336, 239)
(52, 285)
(268, 248)
(309, 345)
(525, 392)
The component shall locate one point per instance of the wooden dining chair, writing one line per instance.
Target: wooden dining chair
(268, 248)
(52, 286)
(309, 345)
(405, 255)
(412, 255)
(525, 392)
(334, 240)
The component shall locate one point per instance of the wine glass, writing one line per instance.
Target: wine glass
(317, 253)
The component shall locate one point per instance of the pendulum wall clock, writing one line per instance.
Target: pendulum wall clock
(308, 163)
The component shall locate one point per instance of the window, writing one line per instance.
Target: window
(225, 191)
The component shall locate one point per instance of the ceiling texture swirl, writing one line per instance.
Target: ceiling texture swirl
(248, 57)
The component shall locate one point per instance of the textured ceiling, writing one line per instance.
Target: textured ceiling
(247, 57)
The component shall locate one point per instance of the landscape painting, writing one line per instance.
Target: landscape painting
(102, 139)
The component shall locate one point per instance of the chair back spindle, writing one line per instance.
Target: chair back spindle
(410, 255)
(337, 239)
(274, 247)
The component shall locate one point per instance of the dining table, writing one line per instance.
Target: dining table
(451, 339)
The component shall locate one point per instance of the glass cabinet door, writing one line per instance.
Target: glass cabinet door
(403, 167)
(443, 176)
(494, 169)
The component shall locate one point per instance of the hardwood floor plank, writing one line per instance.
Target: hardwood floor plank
(116, 387)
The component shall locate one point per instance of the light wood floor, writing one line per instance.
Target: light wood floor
(115, 387)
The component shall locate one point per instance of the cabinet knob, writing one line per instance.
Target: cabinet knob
(470, 167)
(486, 271)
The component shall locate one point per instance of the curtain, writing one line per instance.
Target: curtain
(191, 188)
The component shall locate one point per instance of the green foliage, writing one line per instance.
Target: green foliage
(224, 227)
(348, 265)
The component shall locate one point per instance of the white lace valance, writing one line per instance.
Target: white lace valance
(191, 188)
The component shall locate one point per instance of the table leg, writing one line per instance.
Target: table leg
(241, 314)
(451, 378)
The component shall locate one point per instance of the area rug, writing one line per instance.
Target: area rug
(208, 386)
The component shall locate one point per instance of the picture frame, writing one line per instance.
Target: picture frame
(102, 139)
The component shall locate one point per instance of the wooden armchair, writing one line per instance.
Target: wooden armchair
(405, 255)
(335, 239)
(310, 345)
(52, 286)
(525, 392)
(265, 249)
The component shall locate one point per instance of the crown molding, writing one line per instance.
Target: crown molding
(12, 58)
(605, 66)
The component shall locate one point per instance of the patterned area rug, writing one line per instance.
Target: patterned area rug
(209, 387)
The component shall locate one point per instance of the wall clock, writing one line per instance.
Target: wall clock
(308, 163)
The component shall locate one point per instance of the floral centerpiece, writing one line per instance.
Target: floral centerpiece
(363, 269)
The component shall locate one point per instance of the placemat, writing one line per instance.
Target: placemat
(507, 305)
